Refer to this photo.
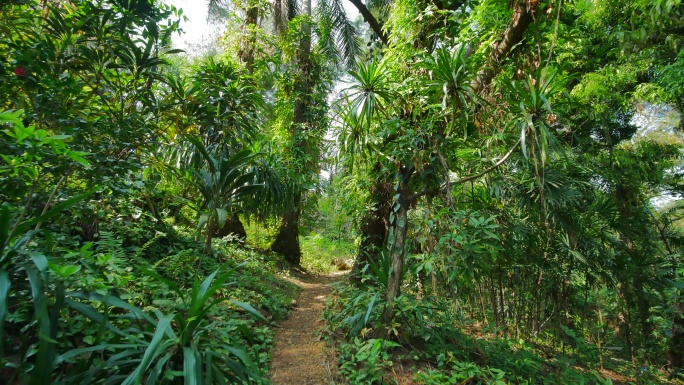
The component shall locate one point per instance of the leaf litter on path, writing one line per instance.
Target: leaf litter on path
(299, 355)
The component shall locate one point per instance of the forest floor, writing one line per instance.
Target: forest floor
(299, 353)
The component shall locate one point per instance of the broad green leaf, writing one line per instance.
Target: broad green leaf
(204, 218)
(192, 366)
(222, 215)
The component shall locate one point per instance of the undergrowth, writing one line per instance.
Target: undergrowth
(431, 343)
(322, 255)
(142, 302)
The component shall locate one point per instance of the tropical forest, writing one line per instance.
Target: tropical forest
(342, 192)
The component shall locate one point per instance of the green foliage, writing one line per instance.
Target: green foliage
(357, 315)
(506, 158)
(83, 215)
(463, 371)
(180, 267)
(438, 343)
(365, 362)
(521, 148)
(89, 71)
(223, 185)
(204, 360)
(321, 255)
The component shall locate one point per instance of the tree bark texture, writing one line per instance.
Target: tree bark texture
(248, 39)
(397, 244)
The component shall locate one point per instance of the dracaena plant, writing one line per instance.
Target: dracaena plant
(160, 349)
(223, 183)
(181, 345)
(130, 345)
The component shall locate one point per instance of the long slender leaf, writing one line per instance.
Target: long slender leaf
(158, 370)
(192, 366)
(56, 210)
(151, 352)
(113, 301)
(370, 308)
(77, 352)
(249, 309)
(5, 285)
(42, 368)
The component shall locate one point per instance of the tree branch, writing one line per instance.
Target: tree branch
(496, 165)
(370, 19)
(523, 15)
(447, 187)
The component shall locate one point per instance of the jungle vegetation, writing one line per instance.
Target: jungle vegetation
(505, 175)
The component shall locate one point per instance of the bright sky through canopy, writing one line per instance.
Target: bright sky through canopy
(196, 27)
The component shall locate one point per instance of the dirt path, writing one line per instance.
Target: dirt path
(299, 355)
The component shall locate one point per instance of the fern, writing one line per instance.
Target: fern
(110, 244)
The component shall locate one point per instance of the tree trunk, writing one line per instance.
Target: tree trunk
(397, 244)
(524, 14)
(397, 262)
(677, 340)
(494, 300)
(644, 308)
(248, 39)
(287, 241)
(374, 225)
(233, 226)
(625, 319)
(210, 230)
(370, 19)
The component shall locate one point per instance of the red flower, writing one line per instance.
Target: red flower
(20, 71)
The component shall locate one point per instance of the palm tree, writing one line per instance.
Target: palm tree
(336, 36)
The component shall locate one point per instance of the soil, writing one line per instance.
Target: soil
(299, 354)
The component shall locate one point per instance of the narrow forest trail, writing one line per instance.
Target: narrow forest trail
(299, 354)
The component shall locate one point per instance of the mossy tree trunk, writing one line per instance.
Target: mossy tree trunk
(304, 152)
(287, 241)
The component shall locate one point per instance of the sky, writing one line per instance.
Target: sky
(196, 26)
